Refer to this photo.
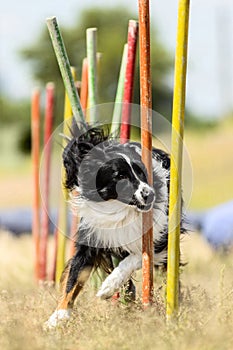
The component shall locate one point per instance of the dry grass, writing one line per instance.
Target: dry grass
(205, 318)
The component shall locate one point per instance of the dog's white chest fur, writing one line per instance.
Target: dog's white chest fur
(113, 224)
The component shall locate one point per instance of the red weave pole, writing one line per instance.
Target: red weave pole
(48, 124)
(129, 81)
(146, 140)
(128, 91)
(84, 85)
(35, 133)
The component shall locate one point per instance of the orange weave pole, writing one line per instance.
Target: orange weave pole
(35, 132)
(84, 85)
(146, 140)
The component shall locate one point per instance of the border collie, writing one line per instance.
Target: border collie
(109, 190)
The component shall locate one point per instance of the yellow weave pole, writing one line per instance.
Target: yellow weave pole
(176, 160)
(62, 221)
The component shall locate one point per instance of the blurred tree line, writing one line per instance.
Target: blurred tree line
(16, 113)
(112, 27)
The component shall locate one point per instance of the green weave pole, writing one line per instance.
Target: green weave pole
(116, 118)
(64, 65)
(91, 34)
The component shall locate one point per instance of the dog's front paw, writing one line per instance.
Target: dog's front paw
(105, 292)
(58, 317)
(112, 283)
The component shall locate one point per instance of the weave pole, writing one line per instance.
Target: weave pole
(176, 160)
(63, 208)
(146, 141)
(52, 273)
(116, 121)
(64, 65)
(48, 124)
(116, 118)
(35, 134)
(61, 240)
(84, 85)
(91, 35)
(129, 80)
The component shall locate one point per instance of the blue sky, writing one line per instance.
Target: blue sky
(210, 67)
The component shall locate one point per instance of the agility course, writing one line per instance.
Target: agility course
(75, 106)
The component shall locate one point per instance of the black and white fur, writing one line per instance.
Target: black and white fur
(109, 190)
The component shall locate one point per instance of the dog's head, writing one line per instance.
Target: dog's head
(108, 170)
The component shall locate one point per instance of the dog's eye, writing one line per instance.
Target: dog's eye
(122, 176)
(119, 176)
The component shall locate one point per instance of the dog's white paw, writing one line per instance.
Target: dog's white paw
(105, 293)
(57, 318)
(112, 283)
(119, 276)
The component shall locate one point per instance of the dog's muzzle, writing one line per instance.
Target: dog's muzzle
(144, 197)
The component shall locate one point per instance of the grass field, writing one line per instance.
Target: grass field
(211, 158)
(205, 318)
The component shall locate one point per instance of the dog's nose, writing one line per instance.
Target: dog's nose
(147, 194)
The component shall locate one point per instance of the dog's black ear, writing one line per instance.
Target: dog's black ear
(84, 148)
(73, 155)
(70, 163)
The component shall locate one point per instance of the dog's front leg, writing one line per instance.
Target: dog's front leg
(73, 279)
(119, 275)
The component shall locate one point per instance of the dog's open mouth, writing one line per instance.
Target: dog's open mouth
(141, 207)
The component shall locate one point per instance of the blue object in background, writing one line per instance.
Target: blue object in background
(215, 224)
(19, 220)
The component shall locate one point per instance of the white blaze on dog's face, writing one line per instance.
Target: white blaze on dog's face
(115, 176)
